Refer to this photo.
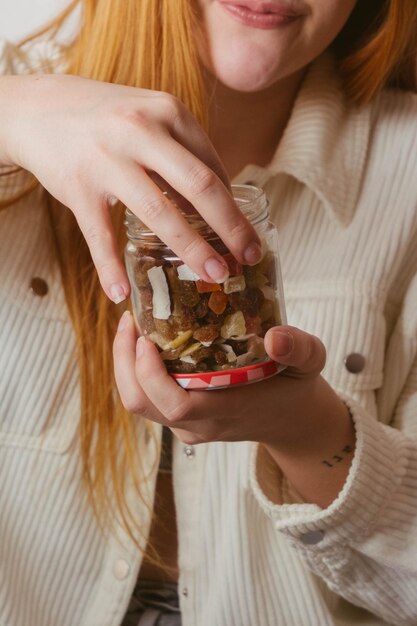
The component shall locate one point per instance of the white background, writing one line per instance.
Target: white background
(18, 18)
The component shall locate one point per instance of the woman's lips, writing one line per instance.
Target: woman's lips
(260, 14)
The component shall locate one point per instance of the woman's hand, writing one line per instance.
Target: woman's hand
(296, 415)
(89, 143)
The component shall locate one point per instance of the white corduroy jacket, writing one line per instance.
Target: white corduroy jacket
(343, 192)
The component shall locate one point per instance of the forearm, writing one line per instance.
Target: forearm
(317, 463)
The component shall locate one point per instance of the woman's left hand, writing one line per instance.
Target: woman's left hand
(291, 413)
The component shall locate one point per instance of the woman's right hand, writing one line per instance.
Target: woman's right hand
(89, 142)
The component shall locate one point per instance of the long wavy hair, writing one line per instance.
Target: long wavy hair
(152, 44)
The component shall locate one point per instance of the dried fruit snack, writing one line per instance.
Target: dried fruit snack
(209, 335)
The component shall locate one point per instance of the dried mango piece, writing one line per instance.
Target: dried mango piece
(233, 326)
(234, 283)
(218, 302)
(203, 287)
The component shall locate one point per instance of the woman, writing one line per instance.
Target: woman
(301, 508)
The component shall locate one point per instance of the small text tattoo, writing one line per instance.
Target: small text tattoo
(338, 458)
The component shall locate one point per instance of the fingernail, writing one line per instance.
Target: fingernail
(283, 343)
(140, 346)
(253, 253)
(117, 293)
(216, 270)
(123, 322)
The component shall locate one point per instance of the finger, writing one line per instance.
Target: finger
(305, 354)
(194, 180)
(186, 130)
(96, 226)
(137, 191)
(133, 397)
(168, 397)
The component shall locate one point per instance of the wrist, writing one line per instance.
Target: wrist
(15, 91)
(316, 460)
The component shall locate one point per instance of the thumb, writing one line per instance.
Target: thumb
(305, 354)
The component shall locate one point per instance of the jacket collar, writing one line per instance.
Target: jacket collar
(325, 143)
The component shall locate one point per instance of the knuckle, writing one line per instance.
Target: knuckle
(138, 118)
(151, 207)
(194, 248)
(93, 235)
(239, 228)
(173, 109)
(201, 180)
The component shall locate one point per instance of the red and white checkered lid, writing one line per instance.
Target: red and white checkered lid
(227, 378)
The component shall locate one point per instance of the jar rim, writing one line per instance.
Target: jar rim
(251, 200)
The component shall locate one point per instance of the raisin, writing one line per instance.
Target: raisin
(188, 293)
(201, 354)
(220, 357)
(252, 300)
(206, 334)
(166, 329)
(202, 307)
(186, 320)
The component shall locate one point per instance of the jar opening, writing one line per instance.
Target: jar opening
(251, 201)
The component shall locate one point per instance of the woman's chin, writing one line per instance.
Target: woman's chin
(244, 79)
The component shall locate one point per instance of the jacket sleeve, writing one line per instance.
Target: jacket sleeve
(364, 545)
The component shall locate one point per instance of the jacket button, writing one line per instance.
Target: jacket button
(312, 537)
(355, 362)
(189, 452)
(39, 286)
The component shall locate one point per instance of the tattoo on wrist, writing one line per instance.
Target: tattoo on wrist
(338, 458)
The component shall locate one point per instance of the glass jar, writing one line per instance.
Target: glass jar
(209, 335)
